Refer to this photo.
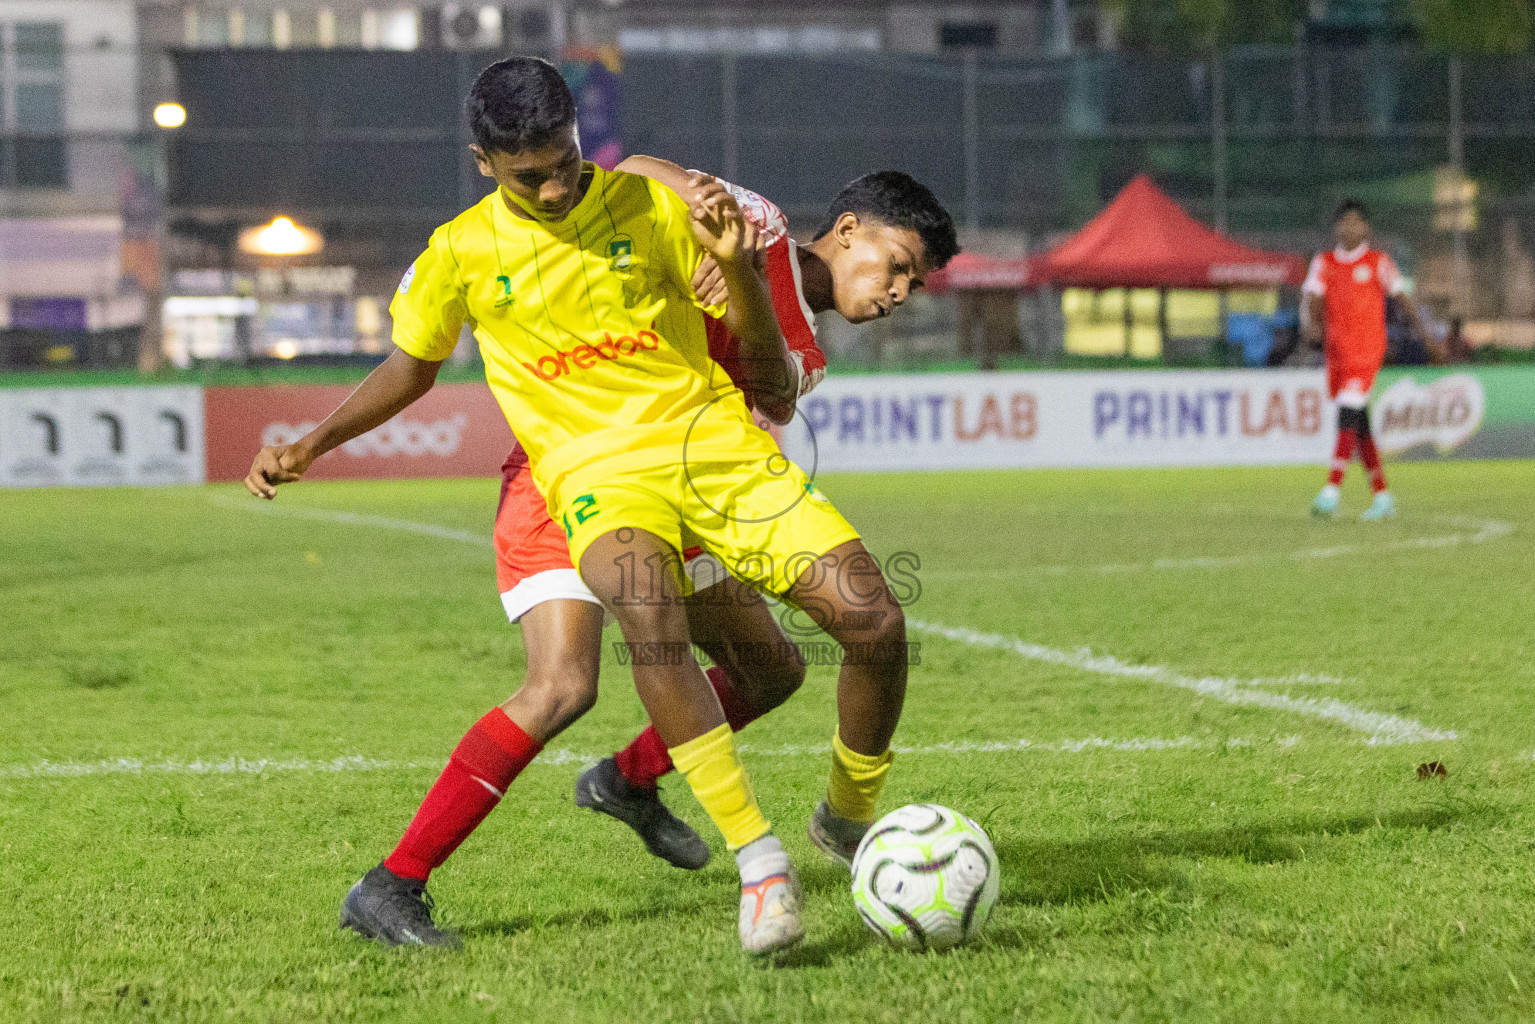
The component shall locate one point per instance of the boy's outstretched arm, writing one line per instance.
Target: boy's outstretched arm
(392, 386)
(673, 176)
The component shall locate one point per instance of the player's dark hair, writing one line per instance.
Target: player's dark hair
(519, 103)
(1350, 206)
(901, 201)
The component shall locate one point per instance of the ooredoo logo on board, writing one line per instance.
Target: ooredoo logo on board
(399, 436)
(454, 430)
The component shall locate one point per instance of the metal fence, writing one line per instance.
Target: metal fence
(1038, 145)
(1026, 144)
(370, 146)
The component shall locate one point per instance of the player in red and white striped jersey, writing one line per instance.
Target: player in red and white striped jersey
(1344, 303)
(533, 564)
(884, 232)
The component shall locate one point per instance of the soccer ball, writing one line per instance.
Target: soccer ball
(925, 877)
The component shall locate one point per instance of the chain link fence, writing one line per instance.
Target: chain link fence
(370, 148)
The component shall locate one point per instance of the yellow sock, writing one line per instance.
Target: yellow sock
(714, 770)
(856, 780)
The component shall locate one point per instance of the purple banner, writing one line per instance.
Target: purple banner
(593, 75)
(48, 314)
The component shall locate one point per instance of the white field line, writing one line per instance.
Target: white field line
(226, 766)
(1378, 728)
(271, 508)
(356, 763)
(1298, 679)
(1473, 531)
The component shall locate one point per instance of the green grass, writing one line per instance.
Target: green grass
(1274, 867)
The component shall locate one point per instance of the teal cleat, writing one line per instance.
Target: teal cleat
(1383, 507)
(1325, 504)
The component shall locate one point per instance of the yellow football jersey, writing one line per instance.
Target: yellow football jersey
(592, 337)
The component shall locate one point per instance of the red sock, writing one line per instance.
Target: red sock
(1371, 459)
(491, 754)
(646, 759)
(1347, 438)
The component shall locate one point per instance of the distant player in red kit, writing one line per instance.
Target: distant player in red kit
(1344, 302)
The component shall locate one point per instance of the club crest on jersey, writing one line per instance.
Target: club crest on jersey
(621, 253)
(1361, 274)
(815, 497)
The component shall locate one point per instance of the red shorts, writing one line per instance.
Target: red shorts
(533, 560)
(1351, 368)
(1350, 378)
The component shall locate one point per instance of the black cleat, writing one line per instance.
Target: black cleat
(602, 787)
(838, 838)
(394, 910)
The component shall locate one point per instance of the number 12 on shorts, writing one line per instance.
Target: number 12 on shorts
(584, 507)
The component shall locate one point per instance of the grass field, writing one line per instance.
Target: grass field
(1188, 715)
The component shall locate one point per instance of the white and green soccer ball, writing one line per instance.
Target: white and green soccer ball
(925, 877)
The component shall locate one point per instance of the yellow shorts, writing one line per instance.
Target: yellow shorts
(763, 518)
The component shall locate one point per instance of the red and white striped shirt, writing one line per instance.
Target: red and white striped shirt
(786, 291)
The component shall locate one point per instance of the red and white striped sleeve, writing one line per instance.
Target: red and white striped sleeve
(794, 316)
(766, 215)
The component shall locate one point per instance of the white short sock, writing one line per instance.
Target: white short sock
(761, 858)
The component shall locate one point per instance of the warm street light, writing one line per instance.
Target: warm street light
(282, 237)
(170, 115)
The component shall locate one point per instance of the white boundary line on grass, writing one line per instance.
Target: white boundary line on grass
(1379, 728)
(1476, 531)
(555, 758)
(324, 515)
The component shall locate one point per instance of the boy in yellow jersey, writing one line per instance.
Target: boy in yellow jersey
(576, 282)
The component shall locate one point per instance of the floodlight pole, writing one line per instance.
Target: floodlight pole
(968, 74)
(1457, 145)
(151, 353)
(1218, 135)
(730, 131)
(1060, 18)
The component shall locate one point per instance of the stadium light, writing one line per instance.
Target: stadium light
(282, 237)
(170, 115)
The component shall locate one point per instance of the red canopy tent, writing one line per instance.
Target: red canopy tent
(1141, 240)
(1144, 240)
